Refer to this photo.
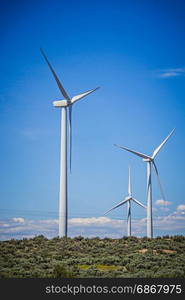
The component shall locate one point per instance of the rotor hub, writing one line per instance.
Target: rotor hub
(148, 159)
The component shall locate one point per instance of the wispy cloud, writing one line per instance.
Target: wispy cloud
(165, 209)
(169, 73)
(18, 220)
(181, 207)
(91, 227)
(173, 222)
(101, 221)
(162, 202)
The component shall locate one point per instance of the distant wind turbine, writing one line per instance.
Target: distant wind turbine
(127, 199)
(65, 105)
(150, 162)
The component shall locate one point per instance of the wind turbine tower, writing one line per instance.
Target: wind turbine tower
(128, 199)
(66, 106)
(150, 162)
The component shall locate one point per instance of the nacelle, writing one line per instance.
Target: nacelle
(147, 159)
(60, 103)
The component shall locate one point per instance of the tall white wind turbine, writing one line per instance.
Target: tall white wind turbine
(150, 162)
(127, 199)
(65, 105)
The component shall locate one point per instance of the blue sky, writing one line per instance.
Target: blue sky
(133, 50)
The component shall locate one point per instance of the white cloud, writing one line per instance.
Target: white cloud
(174, 72)
(4, 224)
(181, 207)
(172, 222)
(162, 202)
(18, 220)
(168, 74)
(143, 221)
(90, 227)
(165, 209)
(50, 221)
(101, 221)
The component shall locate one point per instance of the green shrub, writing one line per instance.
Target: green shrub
(59, 257)
(62, 271)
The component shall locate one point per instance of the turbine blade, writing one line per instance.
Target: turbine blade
(70, 137)
(129, 183)
(162, 144)
(132, 151)
(80, 96)
(119, 204)
(56, 77)
(129, 209)
(159, 182)
(148, 180)
(138, 202)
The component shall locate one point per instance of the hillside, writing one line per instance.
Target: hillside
(83, 257)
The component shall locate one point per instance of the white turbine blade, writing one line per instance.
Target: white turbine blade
(159, 182)
(56, 77)
(129, 183)
(119, 204)
(162, 144)
(129, 210)
(80, 96)
(70, 136)
(138, 202)
(148, 182)
(132, 151)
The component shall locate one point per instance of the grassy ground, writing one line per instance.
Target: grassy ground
(80, 257)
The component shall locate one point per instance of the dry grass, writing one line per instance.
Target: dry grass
(143, 251)
(169, 251)
(100, 267)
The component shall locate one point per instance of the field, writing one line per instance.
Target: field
(162, 257)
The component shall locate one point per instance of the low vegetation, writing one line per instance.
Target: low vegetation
(82, 257)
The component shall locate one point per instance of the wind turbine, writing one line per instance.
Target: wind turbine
(127, 199)
(66, 106)
(150, 162)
